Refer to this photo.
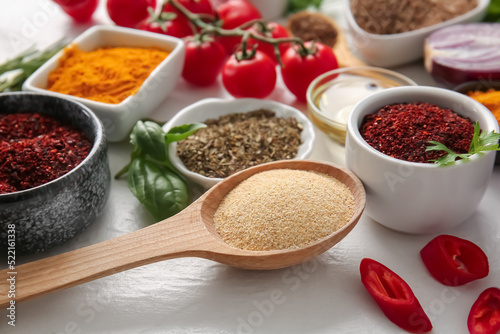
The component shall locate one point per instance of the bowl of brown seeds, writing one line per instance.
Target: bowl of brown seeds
(391, 33)
(240, 134)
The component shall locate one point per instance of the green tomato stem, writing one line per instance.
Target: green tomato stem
(213, 28)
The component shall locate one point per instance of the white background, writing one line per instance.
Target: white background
(324, 295)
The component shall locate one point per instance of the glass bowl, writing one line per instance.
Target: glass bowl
(332, 95)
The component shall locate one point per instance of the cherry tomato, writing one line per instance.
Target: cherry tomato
(80, 10)
(298, 71)
(128, 13)
(274, 30)
(233, 14)
(255, 77)
(194, 6)
(203, 61)
(176, 27)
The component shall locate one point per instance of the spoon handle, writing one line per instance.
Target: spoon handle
(178, 236)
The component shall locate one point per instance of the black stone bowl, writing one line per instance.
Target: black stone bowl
(52, 213)
(483, 86)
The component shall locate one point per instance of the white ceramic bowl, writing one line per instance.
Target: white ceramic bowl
(213, 108)
(397, 49)
(419, 197)
(118, 119)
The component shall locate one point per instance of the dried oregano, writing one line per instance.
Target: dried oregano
(240, 140)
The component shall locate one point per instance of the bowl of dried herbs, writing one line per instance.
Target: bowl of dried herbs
(240, 133)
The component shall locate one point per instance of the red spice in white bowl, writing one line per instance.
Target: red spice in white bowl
(404, 130)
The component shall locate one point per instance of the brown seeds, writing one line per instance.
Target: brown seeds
(397, 16)
(313, 27)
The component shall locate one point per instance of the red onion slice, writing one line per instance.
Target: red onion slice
(464, 52)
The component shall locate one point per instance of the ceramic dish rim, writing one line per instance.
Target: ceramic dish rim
(98, 140)
(481, 6)
(203, 180)
(353, 128)
(460, 87)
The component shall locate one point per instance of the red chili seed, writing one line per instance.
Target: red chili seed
(36, 149)
(403, 131)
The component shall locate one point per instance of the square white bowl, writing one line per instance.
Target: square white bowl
(118, 119)
(396, 49)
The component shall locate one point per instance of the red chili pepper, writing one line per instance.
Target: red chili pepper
(484, 316)
(454, 261)
(394, 297)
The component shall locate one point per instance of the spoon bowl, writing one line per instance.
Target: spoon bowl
(190, 233)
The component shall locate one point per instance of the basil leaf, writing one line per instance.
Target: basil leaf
(151, 176)
(149, 138)
(181, 132)
(135, 153)
(162, 192)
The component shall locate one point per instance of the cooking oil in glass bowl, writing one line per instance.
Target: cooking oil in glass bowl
(332, 95)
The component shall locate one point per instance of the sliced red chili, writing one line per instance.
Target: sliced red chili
(394, 297)
(454, 261)
(484, 316)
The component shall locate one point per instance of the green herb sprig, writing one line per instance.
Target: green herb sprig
(152, 178)
(493, 11)
(298, 5)
(482, 141)
(15, 71)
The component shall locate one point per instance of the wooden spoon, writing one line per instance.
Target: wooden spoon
(189, 233)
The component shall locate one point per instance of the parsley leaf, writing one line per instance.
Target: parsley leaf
(481, 141)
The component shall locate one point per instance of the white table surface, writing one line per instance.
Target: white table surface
(192, 295)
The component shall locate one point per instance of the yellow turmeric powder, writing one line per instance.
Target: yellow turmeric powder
(490, 99)
(108, 75)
